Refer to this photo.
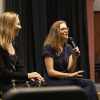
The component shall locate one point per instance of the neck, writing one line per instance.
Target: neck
(11, 49)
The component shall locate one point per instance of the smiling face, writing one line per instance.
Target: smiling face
(63, 31)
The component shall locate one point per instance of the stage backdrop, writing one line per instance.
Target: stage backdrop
(36, 18)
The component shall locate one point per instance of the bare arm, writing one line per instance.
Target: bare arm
(73, 59)
(53, 73)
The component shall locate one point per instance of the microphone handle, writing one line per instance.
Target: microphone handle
(73, 44)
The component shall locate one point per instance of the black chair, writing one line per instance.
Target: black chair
(46, 93)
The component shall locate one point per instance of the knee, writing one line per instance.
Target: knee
(91, 82)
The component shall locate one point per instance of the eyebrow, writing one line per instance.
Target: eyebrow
(65, 28)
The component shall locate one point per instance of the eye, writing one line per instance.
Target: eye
(18, 23)
(67, 28)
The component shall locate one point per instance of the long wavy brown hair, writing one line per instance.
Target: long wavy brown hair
(53, 37)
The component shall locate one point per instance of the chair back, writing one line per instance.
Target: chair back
(45, 93)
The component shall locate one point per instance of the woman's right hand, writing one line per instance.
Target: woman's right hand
(77, 74)
(76, 52)
(35, 75)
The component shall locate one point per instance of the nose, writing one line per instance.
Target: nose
(66, 30)
(19, 26)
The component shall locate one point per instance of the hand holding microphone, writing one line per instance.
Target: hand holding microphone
(76, 50)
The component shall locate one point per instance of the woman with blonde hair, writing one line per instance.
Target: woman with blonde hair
(11, 67)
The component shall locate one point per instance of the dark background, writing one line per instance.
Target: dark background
(36, 18)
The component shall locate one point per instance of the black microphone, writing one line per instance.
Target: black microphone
(72, 42)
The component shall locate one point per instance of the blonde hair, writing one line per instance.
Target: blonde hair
(7, 25)
(53, 37)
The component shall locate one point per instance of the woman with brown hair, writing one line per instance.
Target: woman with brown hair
(60, 58)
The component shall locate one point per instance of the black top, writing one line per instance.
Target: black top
(11, 68)
(61, 64)
(60, 61)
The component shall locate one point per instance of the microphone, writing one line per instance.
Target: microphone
(72, 42)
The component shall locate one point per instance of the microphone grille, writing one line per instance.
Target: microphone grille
(70, 39)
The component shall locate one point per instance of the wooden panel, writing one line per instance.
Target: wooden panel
(97, 36)
(90, 30)
(97, 45)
